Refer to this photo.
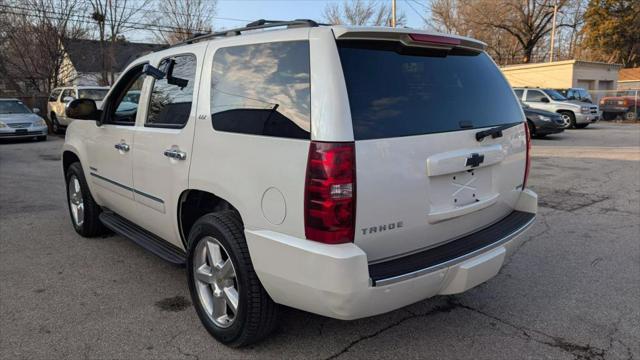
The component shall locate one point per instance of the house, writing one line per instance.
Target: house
(590, 75)
(629, 79)
(82, 64)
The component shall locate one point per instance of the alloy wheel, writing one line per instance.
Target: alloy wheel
(216, 283)
(76, 203)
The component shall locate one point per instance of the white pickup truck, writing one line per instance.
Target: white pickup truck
(343, 171)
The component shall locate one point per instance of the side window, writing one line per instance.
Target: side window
(54, 95)
(535, 96)
(171, 98)
(571, 94)
(123, 102)
(262, 89)
(519, 94)
(67, 93)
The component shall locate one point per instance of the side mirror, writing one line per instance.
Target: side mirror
(153, 71)
(36, 110)
(82, 109)
(544, 100)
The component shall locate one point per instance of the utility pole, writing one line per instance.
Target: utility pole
(553, 30)
(393, 13)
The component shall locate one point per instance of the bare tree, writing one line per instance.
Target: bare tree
(182, 19)
(361, 13)
(31, 41)
(113, 18)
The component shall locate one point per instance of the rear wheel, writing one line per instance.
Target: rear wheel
(55, 125)
(41, 138)
(228, 297)
(569, 117)
(581, 126)
(83, 210)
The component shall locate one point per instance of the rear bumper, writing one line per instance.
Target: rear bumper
(337, 281)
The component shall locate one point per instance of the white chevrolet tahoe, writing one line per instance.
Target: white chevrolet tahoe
(343, 171)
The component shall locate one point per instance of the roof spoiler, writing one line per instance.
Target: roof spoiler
(410, 37)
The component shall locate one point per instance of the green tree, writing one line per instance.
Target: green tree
(612, 31)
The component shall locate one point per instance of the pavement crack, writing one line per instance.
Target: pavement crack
(448, 307)
(579, 351)
(177, 347)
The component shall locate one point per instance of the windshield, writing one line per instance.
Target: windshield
(554, 95)
(422, 91)
(93, 94)
(13, 107)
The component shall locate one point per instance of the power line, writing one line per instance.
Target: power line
(417, 12)
(88, 20)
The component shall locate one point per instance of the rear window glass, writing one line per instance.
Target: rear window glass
(262, 89)
(398, 91)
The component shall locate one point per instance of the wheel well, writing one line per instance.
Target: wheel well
(565, 111)
(68, 158)
(195, 203)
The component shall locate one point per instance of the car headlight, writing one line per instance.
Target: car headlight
(40, 122)
(544, 118)
(2, 125)
(584, 109)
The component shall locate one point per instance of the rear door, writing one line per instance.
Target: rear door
(423, 178)
(163, 143)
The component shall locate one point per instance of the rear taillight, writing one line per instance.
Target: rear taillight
(528, 165)
(330, 192)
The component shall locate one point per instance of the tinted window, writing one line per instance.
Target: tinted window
(535, 96)
(262, 89)
(519, 93)
(171, 98)
(123, 103)
(93, 94)
(400, 91)
(555, 95)
(68, 93)
(54, 95)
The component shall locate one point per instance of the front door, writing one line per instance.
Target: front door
(163, 144)
(538, 100)
(111, 146)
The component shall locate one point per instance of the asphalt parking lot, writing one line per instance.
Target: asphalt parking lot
(572, 291)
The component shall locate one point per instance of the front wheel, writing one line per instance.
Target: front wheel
(581, 126)
(631, 115)
(83, 209)
(569, 117)
(55, 125)
(225, 290)
(608, 116)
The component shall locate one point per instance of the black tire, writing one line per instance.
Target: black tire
(257, 315)
(631, 115)
(571, 116)
(532, 128)
(608, 116)
(55, 125)
(41, 138)
(91, 225)
(581, 126)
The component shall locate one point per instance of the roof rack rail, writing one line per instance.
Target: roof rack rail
(254, 25)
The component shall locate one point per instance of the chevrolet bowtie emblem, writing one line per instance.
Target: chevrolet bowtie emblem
(474, 160)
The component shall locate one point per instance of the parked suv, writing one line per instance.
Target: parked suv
(283, 167)
(627, 106)
(60, 98)
(578, 114)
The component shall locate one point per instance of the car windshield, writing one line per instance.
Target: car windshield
(13, 107)
(555, 95)
(93, 94)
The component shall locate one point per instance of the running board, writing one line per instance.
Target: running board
(142, 237)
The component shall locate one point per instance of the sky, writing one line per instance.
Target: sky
(299, 9)
(237, 13)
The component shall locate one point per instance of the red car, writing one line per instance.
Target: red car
(626, 106)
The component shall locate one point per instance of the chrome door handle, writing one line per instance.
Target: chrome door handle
(175, 154)
(122, 147)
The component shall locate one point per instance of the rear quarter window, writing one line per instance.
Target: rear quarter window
(397, 91)
(262, 89)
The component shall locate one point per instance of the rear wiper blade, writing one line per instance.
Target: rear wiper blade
(495, 132)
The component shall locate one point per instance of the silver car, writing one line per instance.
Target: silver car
(18, 121)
